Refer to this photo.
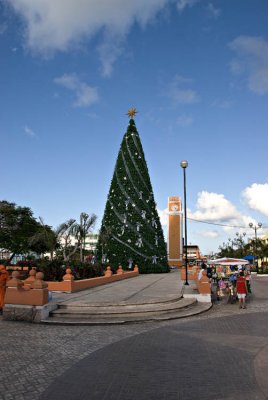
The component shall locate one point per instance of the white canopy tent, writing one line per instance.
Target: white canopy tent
(228, 261)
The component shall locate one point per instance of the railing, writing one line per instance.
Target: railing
(70, 285)
(28, 300)
(34, 291)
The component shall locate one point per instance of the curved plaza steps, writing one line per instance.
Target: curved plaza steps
(84, 314)
(148, 297)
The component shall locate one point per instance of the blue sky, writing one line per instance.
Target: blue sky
(197, 71)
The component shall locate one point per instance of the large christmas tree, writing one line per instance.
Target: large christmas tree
(131, 232)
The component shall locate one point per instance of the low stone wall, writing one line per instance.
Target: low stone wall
(69, 285)
(203, 285)
(33, 293)
(16, 268)
(199, 289)
(192, 273)
(28, 300)
(27, 313)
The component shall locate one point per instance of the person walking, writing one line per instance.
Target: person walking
(3, 280)
(248, 280)
(209, 272)
(203, 268)
(241, 290)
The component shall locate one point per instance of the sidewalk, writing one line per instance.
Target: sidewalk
(219, 355)
(151, 288)
(209, 358)
(152, 297)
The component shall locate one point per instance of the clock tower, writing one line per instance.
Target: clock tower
(175, 245)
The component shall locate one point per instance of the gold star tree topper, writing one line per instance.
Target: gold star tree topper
(132, 112)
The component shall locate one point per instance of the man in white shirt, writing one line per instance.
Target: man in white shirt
(203, 268)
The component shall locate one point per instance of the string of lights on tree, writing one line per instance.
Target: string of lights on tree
(130, 217)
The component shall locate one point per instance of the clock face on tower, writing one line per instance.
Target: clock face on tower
(174, 207)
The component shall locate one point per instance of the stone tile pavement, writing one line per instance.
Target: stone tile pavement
(221, 354)
(141, 289)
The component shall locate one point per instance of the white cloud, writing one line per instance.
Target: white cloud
(210, 234)
(179, 93)
(182, 4)
(85, 94)
(251, 59)
(29, 131)
(109, 51)
(163, 215)
(214, 207)
(184, 120)
(256, 197)
(213, 11)
(57, 25)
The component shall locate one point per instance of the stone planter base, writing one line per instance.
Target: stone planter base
(17, 312)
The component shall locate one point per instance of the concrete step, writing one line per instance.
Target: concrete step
(149, 301)
(116, 319)
(121, 309)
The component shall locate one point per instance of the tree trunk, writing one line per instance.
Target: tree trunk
(11, 258)
(81, 251)
(74, 251)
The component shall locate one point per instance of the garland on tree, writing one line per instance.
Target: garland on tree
(131, 232)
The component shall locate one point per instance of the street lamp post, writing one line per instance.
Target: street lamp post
(184, 165)
(240, 243)
(83, 222)
(255, 227)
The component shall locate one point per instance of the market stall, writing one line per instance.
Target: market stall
(226, 266)
(226, 271)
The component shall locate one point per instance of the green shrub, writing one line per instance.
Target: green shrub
(55, 270)
(28, 263)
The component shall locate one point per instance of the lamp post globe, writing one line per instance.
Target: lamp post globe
(184, 165)
(255, 227)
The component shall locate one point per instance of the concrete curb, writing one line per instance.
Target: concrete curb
(186, 312)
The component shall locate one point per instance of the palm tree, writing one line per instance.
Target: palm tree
(65, 232)
(72, 230)
(104, 237)
(87, 222)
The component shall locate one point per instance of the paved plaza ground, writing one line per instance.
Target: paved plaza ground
(221, 354)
